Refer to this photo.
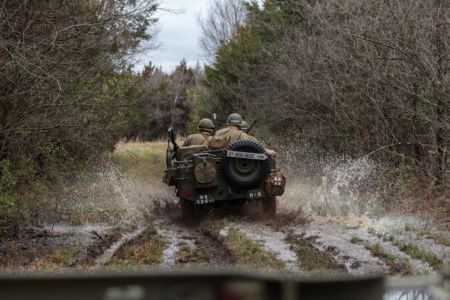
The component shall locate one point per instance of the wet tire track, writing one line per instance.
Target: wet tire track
(273, 241)
(107, 255)
(176, 232)
(221, 254)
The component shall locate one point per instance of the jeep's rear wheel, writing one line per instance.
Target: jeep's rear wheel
(190, 212)
(241, 172)
(269, 206)
(187, 210)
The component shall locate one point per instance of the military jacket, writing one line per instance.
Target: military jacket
(201, 138)
(232, 134)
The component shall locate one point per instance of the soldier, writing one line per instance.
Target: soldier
(205, 127)
(244, 126)
(233, 132)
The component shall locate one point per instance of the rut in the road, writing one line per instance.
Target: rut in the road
(329, 238)
(180, 236)
(106, 256)
(273, 241)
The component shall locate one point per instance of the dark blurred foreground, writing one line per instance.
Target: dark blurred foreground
(216, 285)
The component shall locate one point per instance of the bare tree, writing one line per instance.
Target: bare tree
(223, 20)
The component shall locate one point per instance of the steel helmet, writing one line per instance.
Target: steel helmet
(206, 124)
(234, 119)
(244, 126)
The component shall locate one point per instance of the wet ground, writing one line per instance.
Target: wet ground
(355, 247)
(294, 243)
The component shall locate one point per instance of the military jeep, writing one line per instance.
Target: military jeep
(242, 172)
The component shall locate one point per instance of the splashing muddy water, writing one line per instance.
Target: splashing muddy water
(347, 189)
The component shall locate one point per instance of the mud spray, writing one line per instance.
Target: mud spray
(346, 190)
(107, 195)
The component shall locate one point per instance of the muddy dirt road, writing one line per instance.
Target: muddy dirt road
(295, 242)
(307, 244)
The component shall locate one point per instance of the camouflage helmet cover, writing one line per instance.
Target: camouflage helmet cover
(234, 119)
(206, 124)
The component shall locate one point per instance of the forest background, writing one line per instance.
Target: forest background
(341, 77)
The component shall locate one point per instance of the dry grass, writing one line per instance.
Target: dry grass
(142, 161)
(57, 257)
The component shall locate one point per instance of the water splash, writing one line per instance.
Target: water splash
(107, 195)
(346, 187)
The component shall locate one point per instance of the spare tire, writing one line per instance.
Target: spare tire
(242, 172)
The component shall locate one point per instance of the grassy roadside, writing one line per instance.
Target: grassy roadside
(141, 161)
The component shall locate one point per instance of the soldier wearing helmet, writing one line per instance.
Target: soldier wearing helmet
(233, 132)
(244, 126)
(205, 127)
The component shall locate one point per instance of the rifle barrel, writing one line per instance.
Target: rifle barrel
(251, 126)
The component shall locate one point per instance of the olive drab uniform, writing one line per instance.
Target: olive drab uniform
(202, 138)
(233, 133)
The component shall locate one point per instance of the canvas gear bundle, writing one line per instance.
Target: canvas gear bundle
(186, 153)
(275, 183)
(218, 143)
(214, 142)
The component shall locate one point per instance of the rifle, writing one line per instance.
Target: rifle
(169, 150)
(171, 135)
(251, 126)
